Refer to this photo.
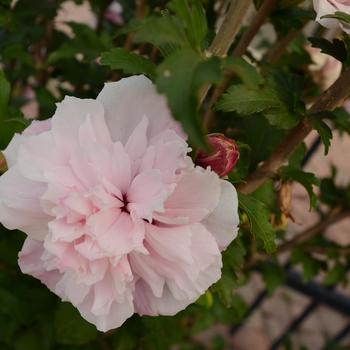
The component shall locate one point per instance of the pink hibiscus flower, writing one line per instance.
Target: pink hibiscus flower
(329, 7)
(118, 218)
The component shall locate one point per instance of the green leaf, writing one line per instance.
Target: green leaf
(128, 62)
(324, 131)
(71, 328)
(340, 118)
(273, 276)
(246, 101)
(225, 289)
(86, 43)
(194, 19)
(260, 225)
(261, 143)
(339, 15)
(330, 193)
(246, 72)
(290, 17)
(335, 275)
(187, 28)
(335, 48)
(266, 99)
(296, 159)
(10, 119)
(180, 77)
(308, 180)
(266, 194)
(4, 96)
(158, 31)
(233, 256)
(310, 265)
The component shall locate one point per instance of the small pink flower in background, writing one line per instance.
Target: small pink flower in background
(329, 7)
(118, 218)
(224, 156)
(71, 12)
(114, 13)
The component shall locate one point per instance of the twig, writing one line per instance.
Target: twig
(277, 50)
(101, 14)
(226, 34)
(336, 216)
(330, 99)
(139, 13)
(40, 54)
(263, 12)
(229, 28)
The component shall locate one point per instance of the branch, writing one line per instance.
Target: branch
(139, 13)
(330, 99)
(277, 50)
(334, 217)
(229, 28)
(226, 34)
(263, 12)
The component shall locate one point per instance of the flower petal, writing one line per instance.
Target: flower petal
(128, 100)
(223, 222)
(196, 195)
(186, 278)
(20, 204)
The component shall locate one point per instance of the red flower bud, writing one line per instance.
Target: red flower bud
(224, 156)
(3, 164)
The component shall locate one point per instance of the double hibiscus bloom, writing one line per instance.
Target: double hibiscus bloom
(118, 218)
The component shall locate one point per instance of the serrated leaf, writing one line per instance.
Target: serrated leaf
(339, 15)
(324, 131)
(233, 256)
(335, 275)
(225, 289)
(280, 117)
(128, 62)
(273, 276)
(340, 118)
(335, 48)
(71, 328)
(296, 159)
(310, 265)
(246, 72)
(307, 180)
(194, 19)
(260, 225)
(158, 31)
(330, 193)
(246, 101)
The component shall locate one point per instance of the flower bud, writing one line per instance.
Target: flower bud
(224, 156)
(3, 164)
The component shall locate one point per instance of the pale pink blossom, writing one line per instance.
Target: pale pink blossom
(118, 218)
(329, 7)
(70, 11)
(114, 13)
